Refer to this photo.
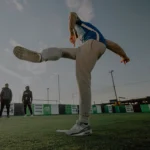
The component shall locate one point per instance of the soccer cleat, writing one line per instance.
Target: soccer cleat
(79, 129)
(27, 55)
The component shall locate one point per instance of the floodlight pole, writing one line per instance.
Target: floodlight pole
(58, 88)
(111, 72)
(48, 95)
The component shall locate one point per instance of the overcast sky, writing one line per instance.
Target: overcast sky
(38, 24)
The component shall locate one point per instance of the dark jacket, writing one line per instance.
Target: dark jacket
(6, 94)
(27, 96)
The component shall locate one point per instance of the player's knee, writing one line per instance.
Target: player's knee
(51, 54)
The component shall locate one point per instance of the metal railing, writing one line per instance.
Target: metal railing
(43, 101)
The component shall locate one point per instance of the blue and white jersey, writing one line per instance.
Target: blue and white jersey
(87, 31)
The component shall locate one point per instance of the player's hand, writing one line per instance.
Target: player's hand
(73, 39)
(125, 60)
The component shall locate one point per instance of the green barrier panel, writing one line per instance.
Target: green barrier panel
(99, 109)
(106, 109)
(28, 111)
(94, 109)
(46, 109)
(129, 108)
(110, 108)
(54, 109)
(117, 109)
(91, 110)
(74, 109)
(68, 109)
(38, 109)
(122, 108)
(145, 108)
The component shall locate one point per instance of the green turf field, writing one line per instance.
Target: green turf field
(111, 132)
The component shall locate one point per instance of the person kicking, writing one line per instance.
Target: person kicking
(93, 47)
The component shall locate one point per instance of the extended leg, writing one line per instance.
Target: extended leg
(51, 54)
(57, 53)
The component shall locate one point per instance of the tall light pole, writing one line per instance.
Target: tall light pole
(73, 96)
(58, 89)
(111, 72)
(48, 95)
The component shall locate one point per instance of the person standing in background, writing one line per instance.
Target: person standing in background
(6, 98)
(27, 100)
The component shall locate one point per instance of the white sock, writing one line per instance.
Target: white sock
(83, 119)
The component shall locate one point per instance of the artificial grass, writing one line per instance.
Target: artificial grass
(110, 132)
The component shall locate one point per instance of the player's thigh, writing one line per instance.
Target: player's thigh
(69, 53)
(89, 54)
(25, 104)
(7, 105)
(29, 104)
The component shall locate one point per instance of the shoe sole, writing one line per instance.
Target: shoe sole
(85, 133)
(26, 54)
(61, 131)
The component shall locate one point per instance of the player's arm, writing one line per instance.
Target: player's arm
(72, 21)
(31, 96)
(1, 94)
(11, 95)
(114, 47)
(23, 97)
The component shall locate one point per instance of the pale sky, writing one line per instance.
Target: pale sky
(38, 24)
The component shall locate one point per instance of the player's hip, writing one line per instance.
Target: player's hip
(26, 102)
(93, 36)
(5, 101)
(92, 47)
